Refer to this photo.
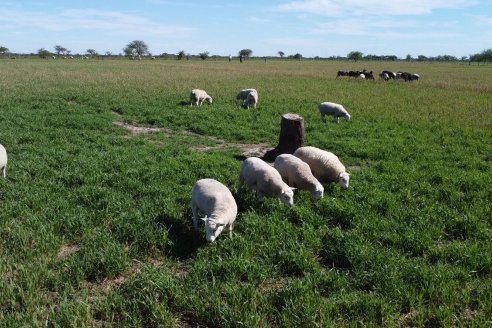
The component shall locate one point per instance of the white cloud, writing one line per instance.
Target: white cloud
(101, 21)
(371, 7)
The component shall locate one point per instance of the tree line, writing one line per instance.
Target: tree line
(138, 49)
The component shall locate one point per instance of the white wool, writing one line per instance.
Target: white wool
(3, 160)
(198, 96)
(264, 180)
(333, 109)
(297, 174)
(248, 96)
(215, 200)
(325, 166)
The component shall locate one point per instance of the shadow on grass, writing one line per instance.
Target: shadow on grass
(183, 103)
(185, 240)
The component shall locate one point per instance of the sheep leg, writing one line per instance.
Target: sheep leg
(230, 230)
(335, 119)
(260, 196)
(194, 209)
(240, 183)
(4, 171)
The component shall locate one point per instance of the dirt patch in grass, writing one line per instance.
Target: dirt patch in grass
(140, 129)
(405, 319)
(66, 250)
(247, 150)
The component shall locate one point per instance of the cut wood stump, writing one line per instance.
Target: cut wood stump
(291, 137)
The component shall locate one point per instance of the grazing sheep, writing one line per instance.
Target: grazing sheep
(335, 110)
(297, 174)
(342, 73)
(3, 160)
(215, 200)
(249, 96)
(198, 96)
(362, 76)
(325, 166)
(265, 180)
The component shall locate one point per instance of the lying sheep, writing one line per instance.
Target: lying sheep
(265, 180)
(249, 96)
(198, 96)
(297, 174)
(215, 200)
(325, 166)
(336, 110)
(3, 160)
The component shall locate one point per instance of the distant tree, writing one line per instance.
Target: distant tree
(484, 56)
(181, 55)
(245, 53)
(138, 48)
(464, 58)
(204, 55)
(355, 55)
(43, 53)
(129, 52)
(91, 52)
(409, 58)
(297, 56)
(108, 53)
(60, 50)
(3, 50)
(281, 54)
(422, 58)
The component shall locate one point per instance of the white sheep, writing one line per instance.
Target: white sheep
(265, 181)
(249, 96)
(336, 110)
(325, 166)
(3, 160)
(198, 96)
(297, 173)
(215, 200)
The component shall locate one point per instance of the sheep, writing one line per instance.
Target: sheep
(362, 76)
(215, 200)
(336, 110)
(249, 96)
(342, 73)
(265, 181)
(325, 166)
(198, 96)
(384, 76)
(297, 174)
(3, 160)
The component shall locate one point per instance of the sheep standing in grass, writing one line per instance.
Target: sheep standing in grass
(215, 200)
(248, 96)
(335, 110)
(198, 96)
(265, 181)
(325, 166)
(3, 160)
(297, 174)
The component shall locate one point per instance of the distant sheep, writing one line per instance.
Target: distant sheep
(249, 96)
(215, 200)
(3, 160)
(333, 109)
(325, 166)
(198, 96)
(265, 181)
(296, 173)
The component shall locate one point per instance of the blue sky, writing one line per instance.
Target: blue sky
(310, 27)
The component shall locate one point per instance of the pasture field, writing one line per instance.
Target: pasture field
(95, 215)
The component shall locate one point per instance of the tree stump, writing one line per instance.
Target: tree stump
(291, 137)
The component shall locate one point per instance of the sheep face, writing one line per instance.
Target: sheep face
(343, 179)
(318, 192)
(212, 229)
(346, 117)
(287, 197)
(209, 99)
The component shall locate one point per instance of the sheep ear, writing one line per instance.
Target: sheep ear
(204, 219)
(292, 188)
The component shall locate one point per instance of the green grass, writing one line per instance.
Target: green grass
(95, 222)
